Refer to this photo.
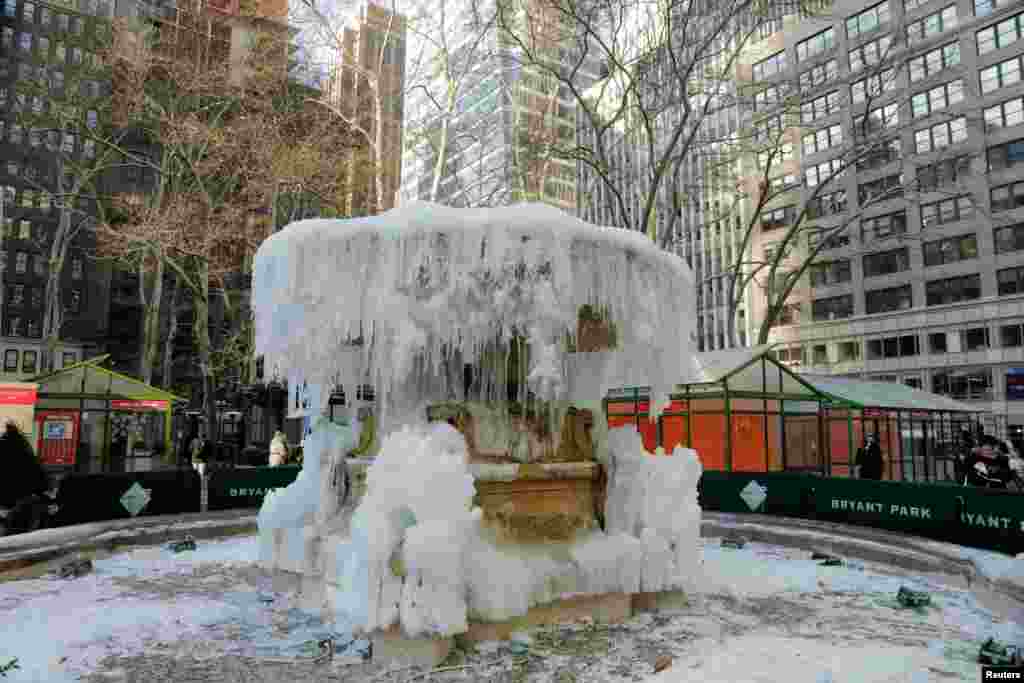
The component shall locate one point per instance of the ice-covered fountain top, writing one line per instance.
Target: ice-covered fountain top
(404, 299)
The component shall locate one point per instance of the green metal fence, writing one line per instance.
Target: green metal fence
(970, 516)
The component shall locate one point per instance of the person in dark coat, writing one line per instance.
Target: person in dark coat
(23, 473)
(869, 459)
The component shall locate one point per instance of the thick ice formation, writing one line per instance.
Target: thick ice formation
(422, 289)
(432, 566)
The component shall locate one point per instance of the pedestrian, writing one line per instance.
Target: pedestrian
(869, 459)
(24, 481)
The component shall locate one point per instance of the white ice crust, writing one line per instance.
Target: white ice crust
(429, 287)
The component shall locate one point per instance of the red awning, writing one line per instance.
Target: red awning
(17, 395)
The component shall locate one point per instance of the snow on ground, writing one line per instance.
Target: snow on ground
(766, 614)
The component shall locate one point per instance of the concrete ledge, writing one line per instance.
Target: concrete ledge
(391, 648)
(23, 554)
(609, 608)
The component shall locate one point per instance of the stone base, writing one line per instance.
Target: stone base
(391, 648)
(656, 602)
(609, 608)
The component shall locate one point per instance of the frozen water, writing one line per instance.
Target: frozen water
(426, 288)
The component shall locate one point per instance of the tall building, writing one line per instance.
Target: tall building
(33, 33)
(44, 42)
(505, 115)
(357, 79)
(925, 290)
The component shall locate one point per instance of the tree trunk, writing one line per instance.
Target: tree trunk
(172, 333)
(202, 337)
(150, 318)
(53, 311)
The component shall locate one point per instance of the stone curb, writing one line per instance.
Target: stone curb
(26, 550)
(911, 553)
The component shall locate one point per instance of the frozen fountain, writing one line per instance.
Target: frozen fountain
(497, 497)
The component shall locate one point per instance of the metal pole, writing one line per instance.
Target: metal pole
(728, 425)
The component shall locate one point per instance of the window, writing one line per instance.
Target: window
(767, 98)
(37, 298)
(848, 351)
(772, 66)
(819, 354)
(25, 42)
(45, 17)
(815, 45)
(782, 184)
(793, 355)
(893, 347)
(937, 342)
(28, 361)
(934, 61)
(820, 107)
(33, 329)
(770, 158)
(21, 263)
(789, 314)
(1005, 156)
(830, 273)
(1005, 114)
(16, 297)
(68, 359)
(983, 8)
(1010, 336)
(823, 139)
(938, 98)
(63, 22)
(873, 86)
(823, 172)
(881, 189)
(869, 54)
(877, 156)
(911, 5)
(1009, 238)
(964, 384)
(832, 308)
(819, 75)
(827, 204)
(777, 218)
(76, 269)
(17, 134)
(28, 199)
(1001, 75)
(952, 290)
(14, 326)
(974, 339)
(7, 37)
(942, 173)
(75, 301)
(931, 25)
(876, 120)
(39, 265)
(768, 130)
(836, 241)
(867, 21)
(941, 135)
(43, 47)
(11, 360)
(10, 8)
(950, 250)
(24, 230)
(947, 211)
(886, 262)
(1007, 197)
(888, 299)
(998, 36)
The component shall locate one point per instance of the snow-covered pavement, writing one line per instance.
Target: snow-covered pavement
(766, 614)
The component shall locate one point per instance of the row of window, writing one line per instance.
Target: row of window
(937, 293)
(40, 266)
(29, 359)
(68, 143)
(50, 52)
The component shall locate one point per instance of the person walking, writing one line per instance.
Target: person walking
(869, 459)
